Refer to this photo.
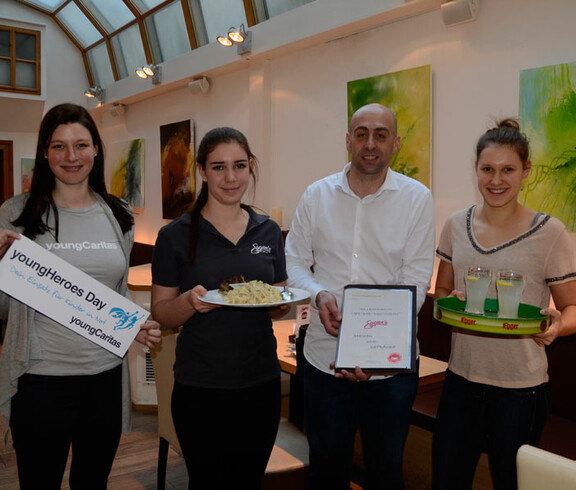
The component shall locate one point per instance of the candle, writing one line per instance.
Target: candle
(277, 215)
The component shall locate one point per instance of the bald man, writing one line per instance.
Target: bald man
(364, 225)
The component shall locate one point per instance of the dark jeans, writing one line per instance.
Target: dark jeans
(336, 408)
(52, 413)
(226, 436)
(474, 417)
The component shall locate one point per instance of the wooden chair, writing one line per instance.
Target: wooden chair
(538, 469)
(288, 464)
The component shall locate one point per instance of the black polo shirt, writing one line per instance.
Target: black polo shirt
(227, 347)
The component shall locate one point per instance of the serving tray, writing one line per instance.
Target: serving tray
(450, 310)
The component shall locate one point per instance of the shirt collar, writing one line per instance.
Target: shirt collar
(254, 220)
(389, 184)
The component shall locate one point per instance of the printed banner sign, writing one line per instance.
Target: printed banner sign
(52, 286)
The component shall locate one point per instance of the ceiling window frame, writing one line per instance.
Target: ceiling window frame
(193, 20)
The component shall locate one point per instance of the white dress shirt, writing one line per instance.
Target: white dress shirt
(384, 238)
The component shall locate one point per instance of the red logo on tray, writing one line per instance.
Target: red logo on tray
(394, 358)
(543, 325)
(510, 326)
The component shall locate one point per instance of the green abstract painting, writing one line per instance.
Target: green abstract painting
(408, 94)
(548, 117)
(128, 172)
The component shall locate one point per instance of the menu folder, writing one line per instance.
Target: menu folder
(378, 329)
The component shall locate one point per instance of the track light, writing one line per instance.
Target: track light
(238, 36)
(95, 92)
(150, 71)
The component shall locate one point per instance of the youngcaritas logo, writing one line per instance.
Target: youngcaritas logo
(124, 319)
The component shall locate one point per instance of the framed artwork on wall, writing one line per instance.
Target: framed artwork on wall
(408, 94)
(177, 162)
(546, 110)
(27, 172)
(127, 180)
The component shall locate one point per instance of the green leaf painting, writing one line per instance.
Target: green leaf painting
(128, 172)
(408, 94)
(548, 117)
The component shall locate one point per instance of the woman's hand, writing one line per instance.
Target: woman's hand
(199, 305)
(553, 332)
(563, 318)
(150, 334)
(458, 294)
(6, 239)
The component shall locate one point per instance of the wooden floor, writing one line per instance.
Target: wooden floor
(135, 464)
(134, 467)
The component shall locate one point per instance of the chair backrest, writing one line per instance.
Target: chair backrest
(538, 469)
(163, 362)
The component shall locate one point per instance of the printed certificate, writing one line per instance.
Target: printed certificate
(378, 330)
(50, 285)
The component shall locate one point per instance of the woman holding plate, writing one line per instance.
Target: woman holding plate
(495, 395)
(226, 397)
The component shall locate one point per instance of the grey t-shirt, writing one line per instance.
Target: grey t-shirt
(88, 242)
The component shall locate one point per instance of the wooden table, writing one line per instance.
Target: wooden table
(285, 350)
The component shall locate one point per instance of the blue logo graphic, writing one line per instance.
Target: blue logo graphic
(124, 320)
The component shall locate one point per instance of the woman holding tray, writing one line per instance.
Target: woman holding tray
(226, 397)
(495, 395)
(57, 388)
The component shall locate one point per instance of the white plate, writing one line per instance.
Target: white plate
(215, 298)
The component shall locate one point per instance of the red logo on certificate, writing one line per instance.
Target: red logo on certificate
(393, 358)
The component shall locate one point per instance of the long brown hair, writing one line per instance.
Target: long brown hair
(40, 202)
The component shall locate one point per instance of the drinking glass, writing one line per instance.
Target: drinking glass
(510, 285)
(477, 279)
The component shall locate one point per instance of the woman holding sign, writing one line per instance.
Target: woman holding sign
(58, 389)
(495, 396)
(226, 397)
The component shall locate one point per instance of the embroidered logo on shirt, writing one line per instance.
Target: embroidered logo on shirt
(79, 246)
(260, 249)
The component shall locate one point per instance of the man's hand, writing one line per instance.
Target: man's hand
(356, 375)
(329, 312)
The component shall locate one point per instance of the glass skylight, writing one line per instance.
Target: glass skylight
(172, 28)
(79, 26)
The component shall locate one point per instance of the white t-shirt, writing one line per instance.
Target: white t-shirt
(545, 255)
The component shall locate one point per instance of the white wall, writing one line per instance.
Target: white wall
(475, 71)
(64, 80)
(226, 104)
(292, 105)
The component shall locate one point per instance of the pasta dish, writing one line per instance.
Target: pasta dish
(253, 292)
